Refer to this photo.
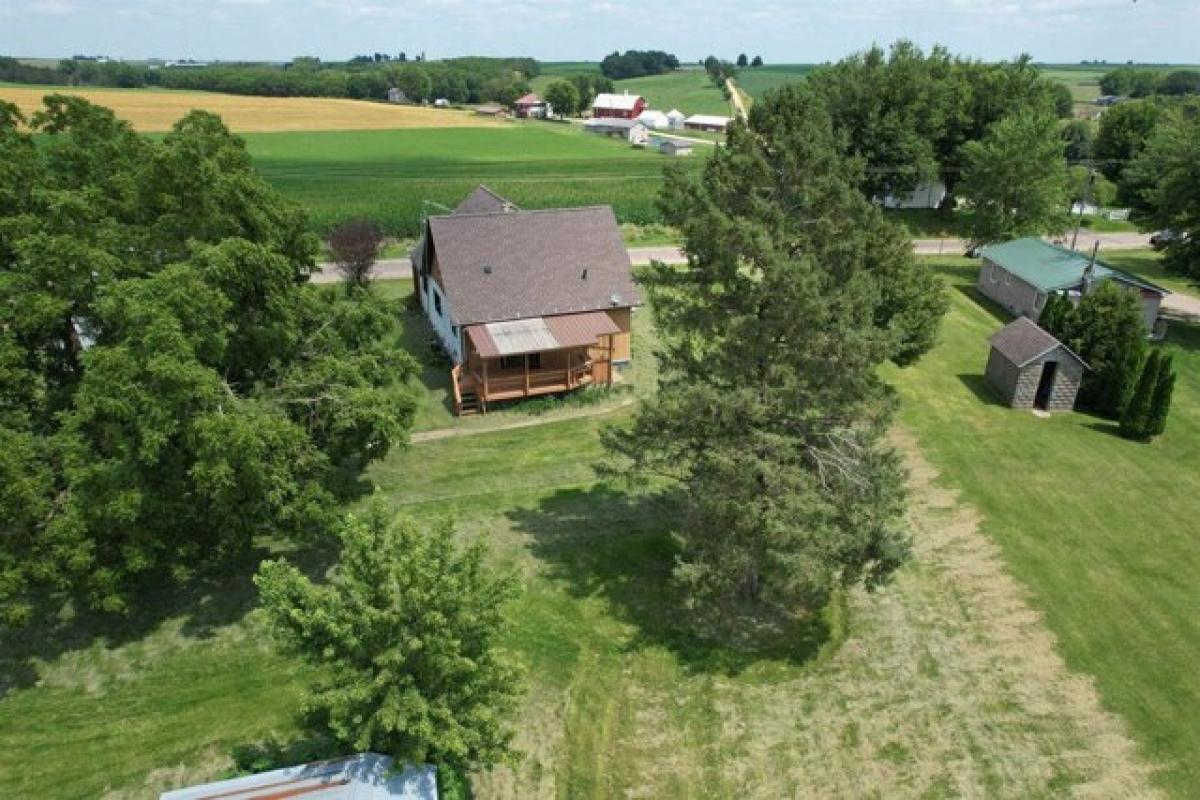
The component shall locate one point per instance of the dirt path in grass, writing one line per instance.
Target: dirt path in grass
(947, 685)
(446, 433)
(736, 97)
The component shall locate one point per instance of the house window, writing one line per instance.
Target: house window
(535, 360)
(437, 302)
(995, 273)
(1039, 300)
(1008, 279)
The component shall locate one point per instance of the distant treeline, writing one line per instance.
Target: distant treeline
(460, 80)
(1142, 82)
(636, 63)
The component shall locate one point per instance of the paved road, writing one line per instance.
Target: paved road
(402, 268)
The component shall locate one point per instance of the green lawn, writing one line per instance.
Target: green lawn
(1100, 529)
(943, 684)
(1148, 264)
(389, 175)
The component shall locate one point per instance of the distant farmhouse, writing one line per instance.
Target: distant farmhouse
(532, 107)
(707, 122)
(1020, 275)
(395, 95)
(525, 302)
(620, 106)
(926, 195)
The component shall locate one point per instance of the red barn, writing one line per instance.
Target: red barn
(622, 106)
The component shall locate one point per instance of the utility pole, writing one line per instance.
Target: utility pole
(1087, 193)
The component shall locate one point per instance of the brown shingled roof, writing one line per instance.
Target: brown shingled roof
(532, 263)
(484, 201)
(1023, 340)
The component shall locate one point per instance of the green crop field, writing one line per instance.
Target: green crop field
(756, 81)
(393, 176)
(689, 90)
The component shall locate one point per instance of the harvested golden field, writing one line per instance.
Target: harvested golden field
(153, 110)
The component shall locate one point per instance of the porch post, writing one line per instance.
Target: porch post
(610, 360)
(527, 373)
(485, 384)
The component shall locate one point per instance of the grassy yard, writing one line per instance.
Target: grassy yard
(945, 683)
(388, 175)
(1148, 264)
(1101, 530)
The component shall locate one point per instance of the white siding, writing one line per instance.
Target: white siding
(441, 322)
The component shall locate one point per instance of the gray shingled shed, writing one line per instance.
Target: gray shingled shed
(1029, 368)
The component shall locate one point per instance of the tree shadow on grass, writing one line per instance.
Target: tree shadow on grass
(208, 601)
(620, 546)
(998, 312)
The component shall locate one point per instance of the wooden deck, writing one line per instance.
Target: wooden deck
(474, 390)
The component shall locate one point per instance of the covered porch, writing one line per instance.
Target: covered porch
(529, 357)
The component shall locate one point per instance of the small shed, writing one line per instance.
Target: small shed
(1029, 368)
(396, 95)
(675, 147)
(675, 119)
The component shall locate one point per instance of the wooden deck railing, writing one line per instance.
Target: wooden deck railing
(455, 377)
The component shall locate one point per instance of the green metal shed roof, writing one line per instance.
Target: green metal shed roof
(1049, 267)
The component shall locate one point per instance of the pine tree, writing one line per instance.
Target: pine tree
(770, 411)
(1053, 316)
(1135, 418)
(1160, 407)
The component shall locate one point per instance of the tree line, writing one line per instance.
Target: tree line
(637, 63)
(1147, 82)
(460, 80)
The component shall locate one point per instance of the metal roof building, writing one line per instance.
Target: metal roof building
(362, 777)
(1020, 275)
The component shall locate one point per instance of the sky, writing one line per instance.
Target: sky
(800, 31)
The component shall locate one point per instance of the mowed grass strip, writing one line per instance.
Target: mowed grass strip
(1101, 530)
(396, 177)
(154, 110)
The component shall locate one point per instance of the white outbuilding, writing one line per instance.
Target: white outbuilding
(654, 120)
(675, 119)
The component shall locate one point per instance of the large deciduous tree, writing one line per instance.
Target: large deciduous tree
(1015, 180)
(1167, 176)
(770, 410)
(564, 97)
(170, 387)
(404, 637)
